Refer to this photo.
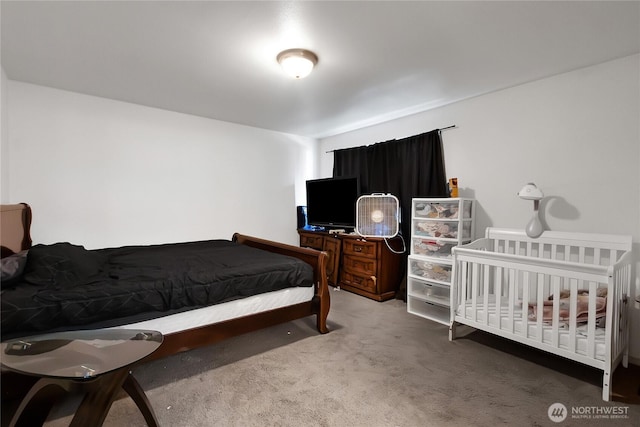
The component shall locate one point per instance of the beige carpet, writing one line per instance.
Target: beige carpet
(379, 366)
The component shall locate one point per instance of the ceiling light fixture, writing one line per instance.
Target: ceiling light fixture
(298, 63)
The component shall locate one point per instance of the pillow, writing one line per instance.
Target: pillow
(12, 268)
(61, 264)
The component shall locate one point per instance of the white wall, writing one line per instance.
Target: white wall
(4, 140)
(103, 173)
(576, 135)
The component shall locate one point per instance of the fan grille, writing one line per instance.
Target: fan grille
(377, 216)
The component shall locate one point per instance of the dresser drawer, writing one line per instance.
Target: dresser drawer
(359, 247)
(359, 265)
(311, 241)
(367, 283)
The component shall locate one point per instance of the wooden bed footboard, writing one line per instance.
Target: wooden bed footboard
(211, 334)
(317, 260)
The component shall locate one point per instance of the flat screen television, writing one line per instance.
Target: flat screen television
(331, 202)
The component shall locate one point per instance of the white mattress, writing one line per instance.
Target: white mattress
(532, 332)
(225, 311)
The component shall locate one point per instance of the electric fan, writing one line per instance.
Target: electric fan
(377, 215)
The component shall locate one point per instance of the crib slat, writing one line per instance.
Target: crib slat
(581, 257)
(525, 303)
(617, 317)
(540, 306)
(512, 290)
(591, 322)
(556, 311)
(573, 310)
(596, 256)
(474, 291)
(499, 277)
(463, 289)
(485, 303)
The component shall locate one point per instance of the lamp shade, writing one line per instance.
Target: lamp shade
(530, 192)
(298, 63)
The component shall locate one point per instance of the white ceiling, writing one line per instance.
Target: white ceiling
(377, 60)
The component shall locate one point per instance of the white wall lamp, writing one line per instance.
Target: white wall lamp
(298, 63)
(531, 192)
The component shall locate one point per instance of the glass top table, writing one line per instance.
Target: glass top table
(96, 362)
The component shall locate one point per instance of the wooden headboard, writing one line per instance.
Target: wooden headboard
(15, 228)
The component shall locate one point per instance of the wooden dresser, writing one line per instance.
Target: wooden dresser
(329, 243)
(369, 268)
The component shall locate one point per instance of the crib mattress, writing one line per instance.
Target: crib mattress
(530, 330)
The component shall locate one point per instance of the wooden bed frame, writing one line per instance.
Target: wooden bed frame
(16, 229)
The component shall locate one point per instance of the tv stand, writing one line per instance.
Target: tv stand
(365, 266)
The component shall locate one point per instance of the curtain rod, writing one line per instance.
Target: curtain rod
(441, 129)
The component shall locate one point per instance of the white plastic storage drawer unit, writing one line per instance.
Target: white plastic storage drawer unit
(437, 226)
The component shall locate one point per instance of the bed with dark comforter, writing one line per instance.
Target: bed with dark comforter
(65, 286)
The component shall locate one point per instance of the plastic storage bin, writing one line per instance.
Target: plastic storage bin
(441, 229)
(429, 247)
(427, 309)
(430, 270)
(443, 209)
(432, 292)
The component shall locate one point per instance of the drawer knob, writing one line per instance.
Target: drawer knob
(357, 248)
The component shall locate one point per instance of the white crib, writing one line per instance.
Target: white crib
(508, 284)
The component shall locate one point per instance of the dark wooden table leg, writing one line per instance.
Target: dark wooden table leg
(132, 387)
(37, 403)
(100, 395)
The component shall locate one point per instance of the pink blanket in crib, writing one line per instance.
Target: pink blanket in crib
(564, 314)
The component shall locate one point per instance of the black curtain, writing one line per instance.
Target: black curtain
(407, 168)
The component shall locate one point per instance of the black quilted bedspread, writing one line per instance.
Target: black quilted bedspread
(64, 285)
